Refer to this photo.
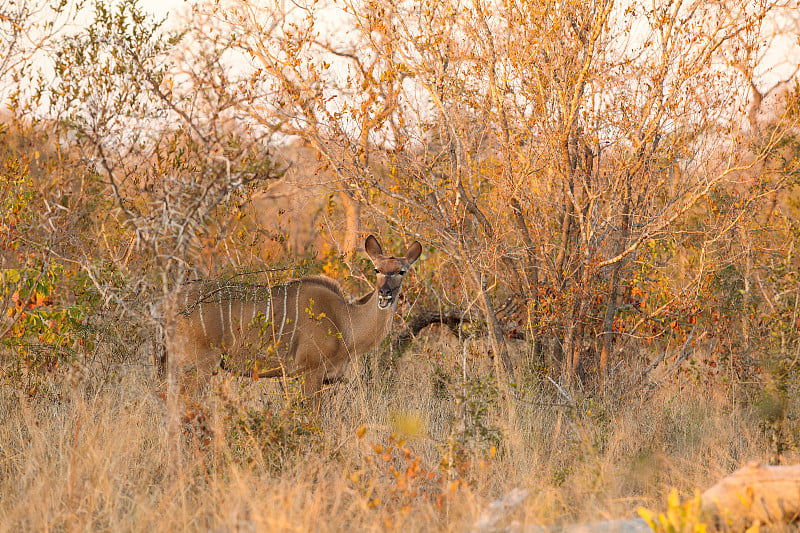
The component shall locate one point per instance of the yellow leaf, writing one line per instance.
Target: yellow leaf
(673, 501)
(663, 522)
(755, 528)
(674, 517)
(360, 432)
(648, 516)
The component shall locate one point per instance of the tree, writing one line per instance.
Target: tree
(29, 224)
(155, 117)
(540, 145)
(26, 29)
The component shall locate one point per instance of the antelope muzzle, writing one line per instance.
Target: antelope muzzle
(385, 297)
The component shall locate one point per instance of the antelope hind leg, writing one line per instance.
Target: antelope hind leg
(190, 375)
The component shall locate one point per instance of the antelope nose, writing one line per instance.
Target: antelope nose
(385, 292)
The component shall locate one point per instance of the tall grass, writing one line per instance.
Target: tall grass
(426, 449)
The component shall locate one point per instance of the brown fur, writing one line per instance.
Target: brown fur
(307, 326)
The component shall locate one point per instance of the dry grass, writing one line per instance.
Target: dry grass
(86, 453)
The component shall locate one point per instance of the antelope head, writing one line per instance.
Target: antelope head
(390, 270)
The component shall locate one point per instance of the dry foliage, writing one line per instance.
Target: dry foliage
(93, 452)
(606, 308)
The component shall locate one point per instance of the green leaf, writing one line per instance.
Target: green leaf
(11, 275)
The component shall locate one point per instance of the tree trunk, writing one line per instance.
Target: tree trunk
(172, 388)
(611, 309)
(564, 243)
(568, 349)
(573, 340)
(531, 269)
(608, 323)
(505, 368)
(746, 296)
(352, 213)
(171, 294)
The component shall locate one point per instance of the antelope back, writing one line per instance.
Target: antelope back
(255, 327)
(242, 321)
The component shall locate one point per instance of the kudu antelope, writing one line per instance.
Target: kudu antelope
(306, 327)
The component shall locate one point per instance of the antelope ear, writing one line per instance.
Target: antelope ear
(413, 252)
(373, 248)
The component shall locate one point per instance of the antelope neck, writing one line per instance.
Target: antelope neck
(369, 323)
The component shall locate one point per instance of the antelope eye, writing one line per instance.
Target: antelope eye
(377, 271)
(402, 272)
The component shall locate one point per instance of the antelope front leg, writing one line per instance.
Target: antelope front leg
(312, 387)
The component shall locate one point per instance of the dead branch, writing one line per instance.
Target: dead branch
(452, 319)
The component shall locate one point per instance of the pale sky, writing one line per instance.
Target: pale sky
(164, 7)
(778, 64)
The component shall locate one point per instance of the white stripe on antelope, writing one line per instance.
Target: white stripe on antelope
(316, 337)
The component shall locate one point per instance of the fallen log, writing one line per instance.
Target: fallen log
(452, 319)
